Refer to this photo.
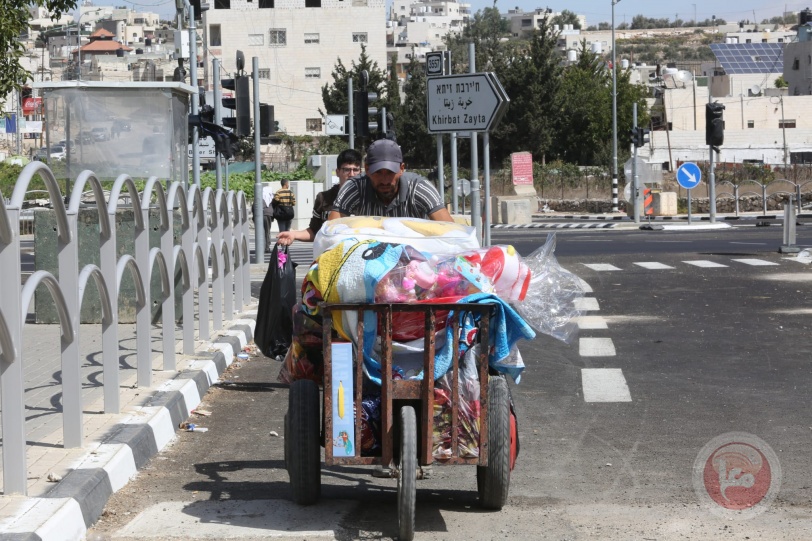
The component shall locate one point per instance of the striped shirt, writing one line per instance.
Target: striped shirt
(284, 197)
(416, 198)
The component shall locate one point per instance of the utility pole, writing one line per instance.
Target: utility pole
(614, 113)
(218, 119)
(259, 227)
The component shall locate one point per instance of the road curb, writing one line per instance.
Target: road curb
(78, 500)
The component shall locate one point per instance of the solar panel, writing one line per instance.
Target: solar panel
(737, 58)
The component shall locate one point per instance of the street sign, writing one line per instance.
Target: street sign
(472, 102)
(434, 64)
(335, 125)
(689, 175)
(205, 149)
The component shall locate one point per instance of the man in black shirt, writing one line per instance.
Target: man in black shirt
(387, 190)
(348, 164)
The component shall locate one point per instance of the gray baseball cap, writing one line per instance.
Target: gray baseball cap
(384, 154)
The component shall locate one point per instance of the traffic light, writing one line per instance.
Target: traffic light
(276, 126)
(266, 121)
(198, 7)
(633, 135)
(714, 125)
(644, 138)
(366, 118)
(240, 103)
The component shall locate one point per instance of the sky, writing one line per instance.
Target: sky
(596, 11)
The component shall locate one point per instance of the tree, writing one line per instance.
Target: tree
(335, 95)
(413, 137)
(14, 18)
(566, 17)
(780, 82)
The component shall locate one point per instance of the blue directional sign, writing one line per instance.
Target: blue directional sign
(689, 175)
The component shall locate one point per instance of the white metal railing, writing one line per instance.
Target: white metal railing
(214, 228)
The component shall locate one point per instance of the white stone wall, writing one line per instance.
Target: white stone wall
(294, 96)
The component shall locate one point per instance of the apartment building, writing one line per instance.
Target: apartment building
(298, 43)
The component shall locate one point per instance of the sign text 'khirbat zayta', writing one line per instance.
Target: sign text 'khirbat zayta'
(473, 102)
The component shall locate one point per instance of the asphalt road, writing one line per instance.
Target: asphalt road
(690, 336)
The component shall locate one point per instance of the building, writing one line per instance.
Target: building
(798, 62)
(523, 23)
(298, 43)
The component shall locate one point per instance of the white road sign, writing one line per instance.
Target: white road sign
(335, 124)
(205, 148)
(472, 102)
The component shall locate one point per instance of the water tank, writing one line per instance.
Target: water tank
(596, 47)
(148, 42)
(572, 55)
(805, 16)
(624, 64)
(139, 51)
(556, 28)
(120, 53)
(728, 41)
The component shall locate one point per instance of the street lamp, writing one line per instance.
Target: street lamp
(79, 39)
(614, 113)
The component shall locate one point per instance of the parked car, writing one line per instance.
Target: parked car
(67, 144)
(56, 152)
(85, 138)
(101, 134)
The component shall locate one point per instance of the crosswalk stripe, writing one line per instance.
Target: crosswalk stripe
(596, 347)
(600, 266)
(704, 263)
(586, 304)
(604, 385)
(591, 322)
(756, 262)
(653, 265)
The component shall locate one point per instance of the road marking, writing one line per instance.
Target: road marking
(586, 304)
(756, 262)
(600, 266)
(604, 385)
(653, 265)
(591, 322)
(596, 347)
(756, 243)
(586, 287)
(705, 264)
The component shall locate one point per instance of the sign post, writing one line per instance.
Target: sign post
(688, 176)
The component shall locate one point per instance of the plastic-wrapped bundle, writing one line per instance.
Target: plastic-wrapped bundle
(468, 411)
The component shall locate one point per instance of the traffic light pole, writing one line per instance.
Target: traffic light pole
(196, 95)
(259, 228)
(635, 178)
(712, 176)
(350, 112)
(476, 216)
(218, 119)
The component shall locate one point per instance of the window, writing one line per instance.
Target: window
(526, 23)
(278, 37)
(222, 4)
(265, 4)
(256, 39)
(313, 124)
(215, 36)
(264, 74)
(796, 64)
(313, 73)
(311, 38)
(786, 123)
(312, 3)
(751, 124)
(780, 40)
(359, 37)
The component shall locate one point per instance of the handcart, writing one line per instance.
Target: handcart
(407, 412)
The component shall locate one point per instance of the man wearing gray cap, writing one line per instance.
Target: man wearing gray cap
(387, 190)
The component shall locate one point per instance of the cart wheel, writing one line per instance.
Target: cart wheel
(493, 480)
(302, 446)
(407, 473)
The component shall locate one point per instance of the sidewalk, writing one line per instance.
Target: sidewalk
(116, 445)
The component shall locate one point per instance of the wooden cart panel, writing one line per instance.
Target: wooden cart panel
(422, 390)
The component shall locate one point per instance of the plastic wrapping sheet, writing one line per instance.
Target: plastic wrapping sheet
(550, 304)
(468, 411)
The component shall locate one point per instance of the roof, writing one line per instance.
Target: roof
(102, 33)
(737, 58)
(103, 46)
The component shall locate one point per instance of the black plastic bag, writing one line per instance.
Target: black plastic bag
(277, 297)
